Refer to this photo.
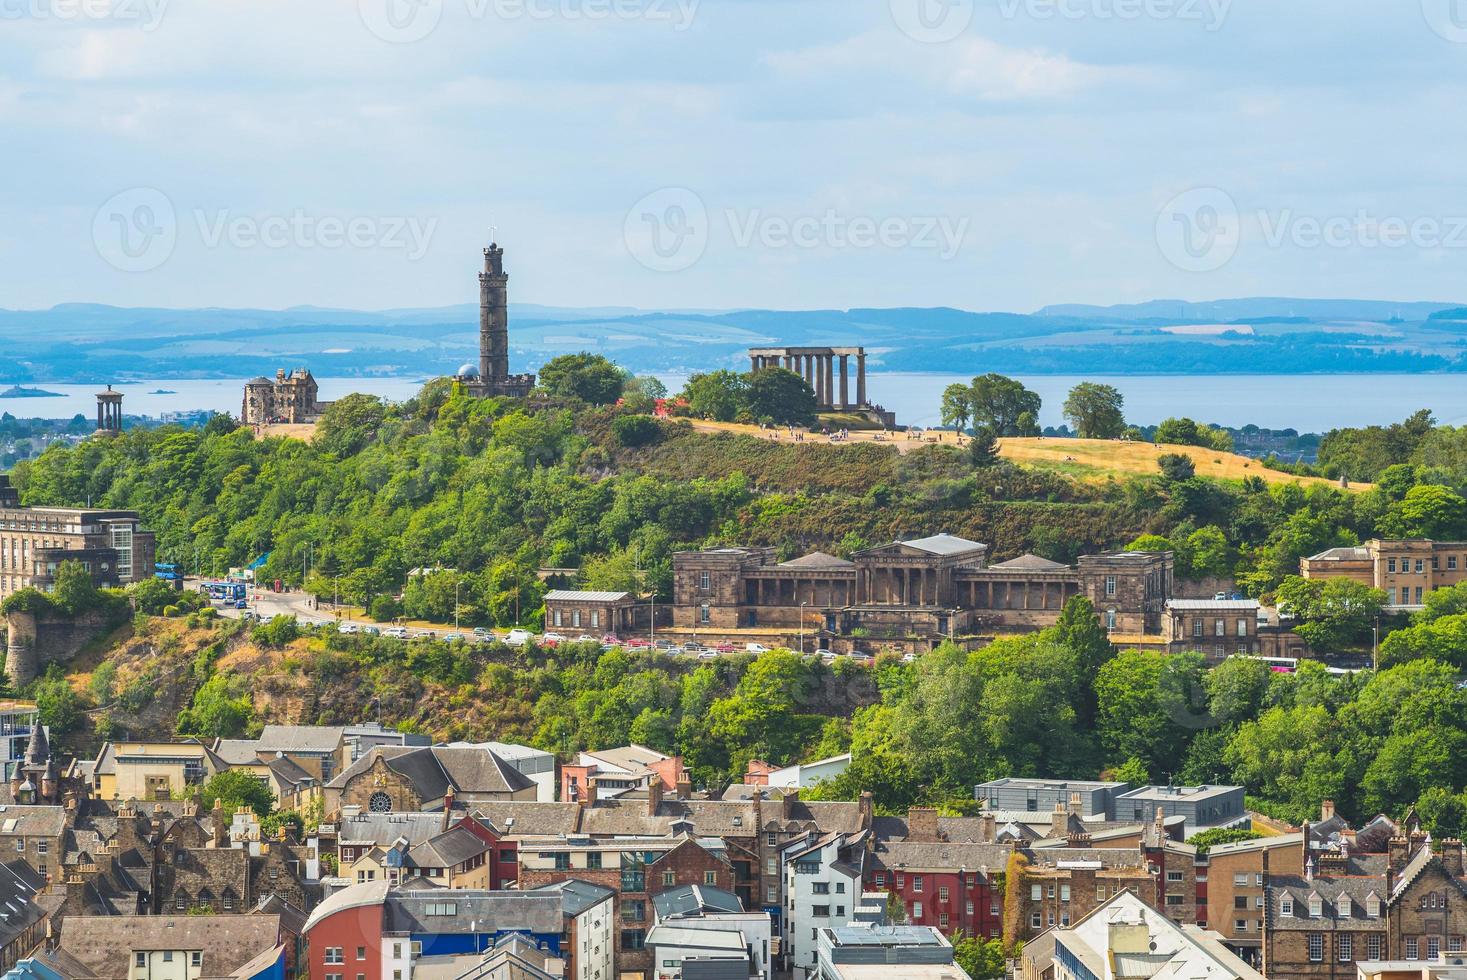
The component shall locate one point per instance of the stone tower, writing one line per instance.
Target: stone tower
(492, 378)
(493, 318)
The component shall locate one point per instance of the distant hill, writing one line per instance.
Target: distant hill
(91, 343)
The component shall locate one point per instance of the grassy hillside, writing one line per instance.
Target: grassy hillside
(1097, 459)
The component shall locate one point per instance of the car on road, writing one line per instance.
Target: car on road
(424, 634)
(551, 640)
(587, 638)
(371, 631)
(519, 637)
(450, 637)
(347, 629)
(241, 604)
(707, 655)
(725, 648)
(482, 635)
(755, 648)
(396, 632)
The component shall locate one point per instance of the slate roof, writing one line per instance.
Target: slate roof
(32, 821)
(575, 895)
(236, 751)
(526, 818)
(449, 849)
(434, 770)
(912, 856)
(571, 595)
(384, 828)
(1342, 554)
(695, 900)
(631, 758)
(300, 738)
(1364, 874)
(944, 544)
(104, 944)
(475, 911)
(19, 908)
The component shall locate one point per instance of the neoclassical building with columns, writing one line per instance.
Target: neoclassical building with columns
(828, 372)
(933, 587)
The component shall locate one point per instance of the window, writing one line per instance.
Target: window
(1036, 893)
(840, 887)
(596, 618)
(1099, 895)
(1197, 627)
(141, 959)
(1372, 906)
(361, 952)
(705, 581)
(593, 860)
(1242, 627)
(879, 879)
(633, 910)
(1316, 906)
(1286, 905)
(1411, 949)
(1345, 947)
(1064, 893)
(916, 910)
(633, 939)
(1240, 901)
(1316, 948)
(1372, 945)
(1451, 563)
(710, 878)
(771, 840)
(970, 910)
(668, 879)
(1344, 908)
(916, 883)
(1390, 564)
(397, 951)
(562, 861)
(1433, 947)
(20, 843)
(1035, 921)
(1110, 619)
(1173, 876)
(557, 618)
(1454, 944)
(575, 617)
(820, 888)
(823, 911)
(1241, 925)
(334, 955)
(1420, 567)
(705, 614)
(1174, 899)
(1110, 585)
(942, 920)
(1219, 628)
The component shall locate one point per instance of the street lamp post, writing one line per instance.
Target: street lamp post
(802, 627)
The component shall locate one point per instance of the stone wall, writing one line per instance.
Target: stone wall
(34, 641)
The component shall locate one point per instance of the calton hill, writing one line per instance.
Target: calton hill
(609, 475)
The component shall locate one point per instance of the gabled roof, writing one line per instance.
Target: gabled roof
(434, 770)
(944, 544)
(449, 849)
(104, 944)
(1032, 563)
(571, 595)
(695, 900)
(300, 738)
(818, 559)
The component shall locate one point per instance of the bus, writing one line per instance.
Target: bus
(224, 590)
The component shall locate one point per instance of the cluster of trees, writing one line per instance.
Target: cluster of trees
(771, 396)
(999, 406)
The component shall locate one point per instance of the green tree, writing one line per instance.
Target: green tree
(58, 706)
(74, 592)
(590, 378)
(1094, 411)
(1428, 512)
(1133, 771)
(151, 595)
(1443, 813)
(957, 405)
(1176, 467)
(350, 424)
(634, 431)
(983, 448)
(1334, 613)
(718, 395)
(781, 396)
(221, 709)
(1209, 839)
(999, 403)
(981, 959)
(236, 788)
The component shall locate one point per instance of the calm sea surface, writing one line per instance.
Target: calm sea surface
(1309, 403)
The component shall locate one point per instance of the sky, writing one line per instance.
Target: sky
(715, 154)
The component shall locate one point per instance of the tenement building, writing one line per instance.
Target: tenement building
(491, 377)
(932, 588)
(1406, 569)
(287, 398)
(34, 541)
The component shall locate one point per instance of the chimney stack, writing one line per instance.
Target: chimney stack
(654, 795)
(866, 807)
(1059, 821)
(1326, 810)
(989, 824)
(922, 825)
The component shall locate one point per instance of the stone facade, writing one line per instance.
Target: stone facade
(111, 544)
(931, 588)
(288, 398)
(379, 789)
(1406, 569)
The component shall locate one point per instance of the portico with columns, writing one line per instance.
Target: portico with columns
(827, 370)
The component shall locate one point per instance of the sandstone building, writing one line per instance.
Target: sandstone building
(1406, 569)
(34, 541)
(934, 588)
(287, 398)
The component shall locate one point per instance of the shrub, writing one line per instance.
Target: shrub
(1176, 466)
(632, 431)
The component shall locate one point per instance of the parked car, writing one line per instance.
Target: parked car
(371, 631)
(725, 648)
(450, 637)
(423, 634)
(396, 632)
(350, 629)
(552, 640)
(241, 604)
(755, 648)
(587, 638)
(909, 658)
(518, 637)
(482, 635)
(707, 655)
(693, 646)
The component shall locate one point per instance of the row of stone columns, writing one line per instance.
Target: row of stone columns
(818, 370)
(902, 587)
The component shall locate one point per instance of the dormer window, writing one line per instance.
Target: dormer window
(1344, 907)
(1372, 906)
(1286, 905)
(1316, 906)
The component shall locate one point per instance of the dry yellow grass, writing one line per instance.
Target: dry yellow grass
(1098, 459)
(304, 432)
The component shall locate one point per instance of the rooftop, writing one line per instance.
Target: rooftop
(571, 595)
(944, 544)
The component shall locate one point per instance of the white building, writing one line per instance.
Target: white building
(534, 763)
(886, 953)
(703, 907)
(17, 720)
(1126, 939)
(806, 774)
(822, 890)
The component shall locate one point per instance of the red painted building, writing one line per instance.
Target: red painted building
(344, 935)
(947, 886)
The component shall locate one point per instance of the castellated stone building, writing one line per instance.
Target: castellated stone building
(287, 398)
